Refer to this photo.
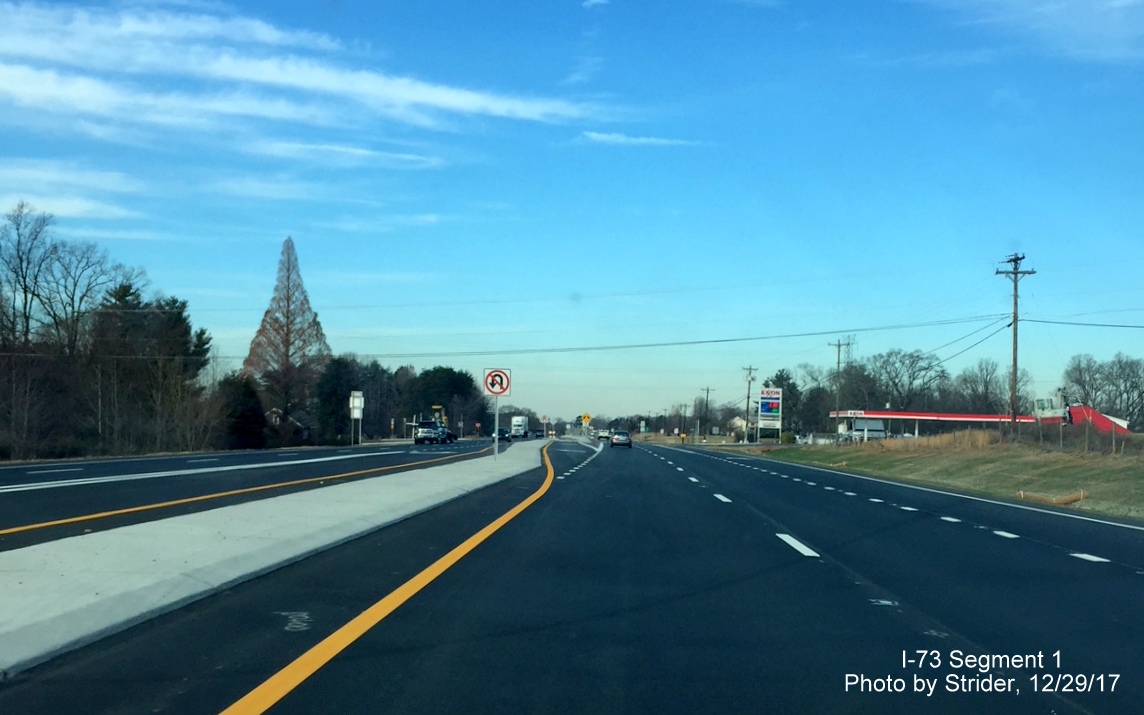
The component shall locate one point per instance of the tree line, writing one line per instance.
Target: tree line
(94, 362)
(912, 381)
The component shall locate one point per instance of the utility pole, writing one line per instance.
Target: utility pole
(838, 382)
(706, 405)
(747, 410)
(1016, 274)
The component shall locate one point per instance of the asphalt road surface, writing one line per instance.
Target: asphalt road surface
(655, 580)
(44, 501)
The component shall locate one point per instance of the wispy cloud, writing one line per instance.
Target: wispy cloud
(381, 224)
(65, 189)
(91, 63)
(44, 176)
(593, 3)
(86, 233)
(1101, 30)
(586, 68)
(68, 206)
(624, 139)
(276, 189)
(341, 155)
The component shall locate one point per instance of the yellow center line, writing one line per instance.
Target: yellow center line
(280, 684)
(220, 495)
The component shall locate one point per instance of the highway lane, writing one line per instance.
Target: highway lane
(650, 580)
(1006, 577)
(35, 495)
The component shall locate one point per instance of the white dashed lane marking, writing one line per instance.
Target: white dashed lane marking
(803, 549)
(797, 545)
(1090, 557)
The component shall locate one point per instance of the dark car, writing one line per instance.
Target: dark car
(621, 438)
(504, 435)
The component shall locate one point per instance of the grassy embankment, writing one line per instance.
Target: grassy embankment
(980, 462)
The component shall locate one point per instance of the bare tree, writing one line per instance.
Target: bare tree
(289, 350)
(1124, 387)
(26, 253)
(1082, 380)
(75, 282)
(908, 378)
(982, 388)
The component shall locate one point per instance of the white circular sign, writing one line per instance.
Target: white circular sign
(497, 382)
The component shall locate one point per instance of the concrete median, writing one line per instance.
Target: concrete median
(63, 594)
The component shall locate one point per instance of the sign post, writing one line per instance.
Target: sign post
(497, 382)
(771, 410)
(357, 406)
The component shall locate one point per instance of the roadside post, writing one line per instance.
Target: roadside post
(497, 383)
(357, 406)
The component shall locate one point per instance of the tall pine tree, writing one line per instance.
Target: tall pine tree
(289, 350)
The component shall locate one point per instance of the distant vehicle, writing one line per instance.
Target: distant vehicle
(503, 435)
(429, 432)
(602, 434)
(520, 427)
(621, 438)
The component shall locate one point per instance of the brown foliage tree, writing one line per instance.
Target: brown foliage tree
(289, 350)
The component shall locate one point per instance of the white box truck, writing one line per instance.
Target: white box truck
(520, 427)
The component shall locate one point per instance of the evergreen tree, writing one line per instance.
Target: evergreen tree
(244, 420)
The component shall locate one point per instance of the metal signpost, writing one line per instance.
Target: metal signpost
(497, 382)
(357, 407)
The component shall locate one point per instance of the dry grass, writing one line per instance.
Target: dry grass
(981, 462)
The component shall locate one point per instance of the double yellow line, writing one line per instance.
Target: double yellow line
(218, 495)
(280, 684)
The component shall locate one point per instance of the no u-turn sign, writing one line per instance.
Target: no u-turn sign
(498, 382)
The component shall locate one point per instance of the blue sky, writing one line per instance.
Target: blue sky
(481, 185)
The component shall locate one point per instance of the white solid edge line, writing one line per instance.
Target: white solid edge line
(722, 498)
(798, 545)
(986, 500)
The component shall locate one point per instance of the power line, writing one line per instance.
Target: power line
(677, 343)
(969, 335)
(609, 348)
(962, 352)
(1085, 325)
